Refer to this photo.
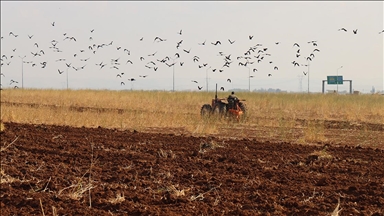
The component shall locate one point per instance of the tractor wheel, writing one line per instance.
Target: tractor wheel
(243, 108)
(220, 110)
(206, 110)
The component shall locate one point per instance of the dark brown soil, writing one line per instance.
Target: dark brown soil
(82, 171)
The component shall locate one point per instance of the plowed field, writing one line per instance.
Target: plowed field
(61, 170)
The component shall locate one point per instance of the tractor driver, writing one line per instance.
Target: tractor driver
(232, 98)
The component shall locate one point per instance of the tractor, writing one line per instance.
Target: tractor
(225, 107)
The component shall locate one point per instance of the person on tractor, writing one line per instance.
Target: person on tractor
(232, 98)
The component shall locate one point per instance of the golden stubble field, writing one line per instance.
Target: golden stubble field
(299, 118)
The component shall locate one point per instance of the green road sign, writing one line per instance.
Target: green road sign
(334, 80)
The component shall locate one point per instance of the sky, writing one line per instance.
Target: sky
(259, 44)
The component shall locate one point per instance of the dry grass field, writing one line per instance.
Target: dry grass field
(290, 117)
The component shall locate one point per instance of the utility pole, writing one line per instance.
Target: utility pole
(67, 77)
(337, 79)
(249, 79)
(22, 71)
(173, 82)
(206, 77)
(308, 76)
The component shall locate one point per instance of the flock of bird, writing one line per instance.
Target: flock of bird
(250, 58)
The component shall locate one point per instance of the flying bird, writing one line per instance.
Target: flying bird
(229, 80)
(202, 43)
(122, 83)
(159, 39)
(194, 81)
(53, 24)
(381, 32)
(296, 44)
(30, 37)
(305, 73)
(153, 54)
(269, 75)
(354, 31)
(180, 32)
(343, 29)
(199, 87)
(222, 88)
(231, 42)
(217, 42)
(250, 37)
(276, 68)
(60, 72)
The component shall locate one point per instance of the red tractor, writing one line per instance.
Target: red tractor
(225, 107)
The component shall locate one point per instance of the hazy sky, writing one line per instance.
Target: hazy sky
(123, 24)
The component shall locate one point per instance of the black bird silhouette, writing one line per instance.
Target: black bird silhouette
(141, 39)
(187, 51)
(178, 44)
(159, 39)
(254, 69)
(217, 42)
(343, 29)
(141, 58)
(143, 76)
(180, 32)
(153, 54)
(305, 73)
(276, 68)
(222, 88)
(354, 31)
(181, 63)
(194, 81)
(312, 55)
(381, 32)
(202, 43)
(69, 65)
(309, 58)
(296, 44)
(250, 37)
(231, 42)
(177, 55)
(118, 75)
(200, 87)
(170, 65)
(269, 75)
(122, 83)
(60, 72)
(229, 80)
(30, 37)
(92, 30)
(53, 24)
(316, 50)
(129, 61)
(132, 79)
